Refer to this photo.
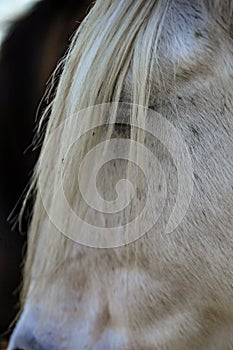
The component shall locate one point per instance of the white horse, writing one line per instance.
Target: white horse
(143, 111)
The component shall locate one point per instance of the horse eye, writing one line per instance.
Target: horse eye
(122, 129)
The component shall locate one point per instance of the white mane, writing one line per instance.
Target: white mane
(114, 46)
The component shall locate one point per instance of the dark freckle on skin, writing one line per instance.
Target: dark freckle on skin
(194, 131)
(198, 34)
(196, 177)
(192, 101)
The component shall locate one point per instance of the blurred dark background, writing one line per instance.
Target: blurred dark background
(33, 44)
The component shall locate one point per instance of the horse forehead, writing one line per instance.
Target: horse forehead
(192, 33)
(187, 49)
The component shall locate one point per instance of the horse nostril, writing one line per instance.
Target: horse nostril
(25, 343)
